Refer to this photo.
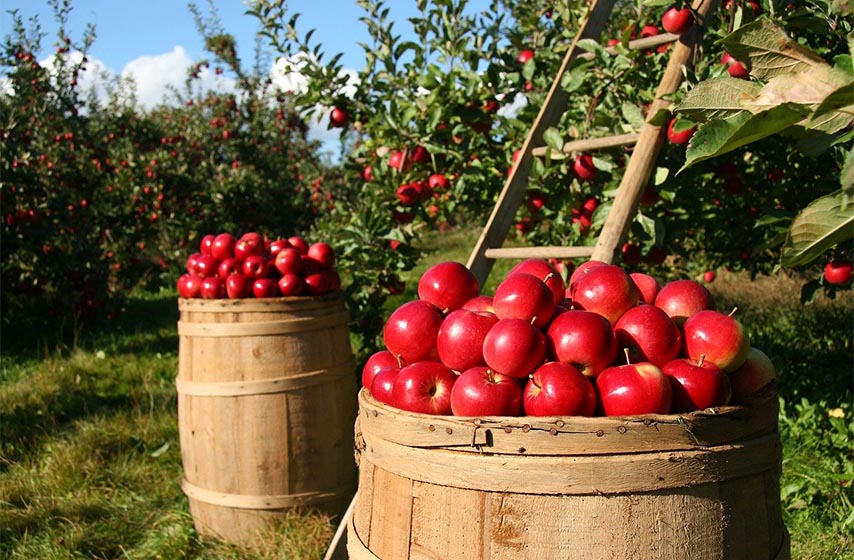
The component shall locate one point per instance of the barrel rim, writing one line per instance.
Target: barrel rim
(227, 304)
(554, 435)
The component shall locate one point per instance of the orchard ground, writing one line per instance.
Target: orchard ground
(90, 463)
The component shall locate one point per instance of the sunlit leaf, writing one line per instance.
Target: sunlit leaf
(718, 98)
(768, 51)
(818, 227)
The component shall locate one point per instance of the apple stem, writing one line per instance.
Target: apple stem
(548, 276)
(490, 375)
(734, 309)
(533, 319)
(626, 352)
(399, 360)
(701, 360)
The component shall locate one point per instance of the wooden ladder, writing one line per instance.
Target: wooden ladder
(647, 146)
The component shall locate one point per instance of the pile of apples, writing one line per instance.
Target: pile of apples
(255, 266)
(606, 342)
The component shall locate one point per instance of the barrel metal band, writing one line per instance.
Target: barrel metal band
(263, 328)
(264, 386)
(246, 501)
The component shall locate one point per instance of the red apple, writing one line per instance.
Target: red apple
(276, 247)
(288, 261)
(411, 331)
(580, 271)
(437, 182)
(677, 21)
(545, 272)
(479, 391)
(514, 347)
(719, 337)
(734, 67)
(607, 290)
(557, 389)
(264, 288)
(749, 381)
(460, 338)
(212, 287)
(229, 266)
(479, 303)
(299, 244)
(256, 266)
(697, 384)
(649, 335)
(447, 285)
(189, 285)
(680, 137)
(206, 265)
(631, 389)
(238, 286)
(382, 385)
(316, 284)
(649, 31)
(424, 387)
(709, 276)
(206, 243)
(408, 194)
(248, 244)
(223, 246)
(338, 117)
(681, 299)
(291, 284)
(839, 272)
(524, 296)
(192, 260)
(378, 361)
(333, 278)
(399, 160)
(584, 340)
(322, 253)
(648, 286)
(525, 56)
(584, 168)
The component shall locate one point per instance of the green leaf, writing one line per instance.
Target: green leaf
(718, 98)
(553, 138)
(590, 45)
(768, 51)
(721, 136)
(824, 223)
(633, 115)
(846, 174)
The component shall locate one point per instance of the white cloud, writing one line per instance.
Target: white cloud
(155, 75)
(510, 111)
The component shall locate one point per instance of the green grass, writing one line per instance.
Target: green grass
(90, 464)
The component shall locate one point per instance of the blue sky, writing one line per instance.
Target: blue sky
(155, 41)
(128, 29)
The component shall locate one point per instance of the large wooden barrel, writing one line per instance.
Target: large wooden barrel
(266, 405)
(695, 486)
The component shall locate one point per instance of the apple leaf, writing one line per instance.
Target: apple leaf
(718, 98)
(846, 174)
(809, 291)
(719, 136)
(824, 223)
(553, 138)
(811, 87)
(633, 115)
(768, 51)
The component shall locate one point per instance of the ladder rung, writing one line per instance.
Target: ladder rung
(538, 252)
(589, 144)
(639, 44)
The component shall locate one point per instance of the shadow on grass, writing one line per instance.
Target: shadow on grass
(146, 324)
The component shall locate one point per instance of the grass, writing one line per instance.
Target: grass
(90, 464)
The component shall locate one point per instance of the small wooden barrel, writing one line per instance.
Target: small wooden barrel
(266, 404)
(678, 487)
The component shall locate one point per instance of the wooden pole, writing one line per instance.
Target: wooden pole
(511, 195)
(648, 146)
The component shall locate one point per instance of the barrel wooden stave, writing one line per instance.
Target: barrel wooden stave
(731, 511)
(266, 401)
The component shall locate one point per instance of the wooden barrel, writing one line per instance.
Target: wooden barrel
(266, 405)
(696, 486)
